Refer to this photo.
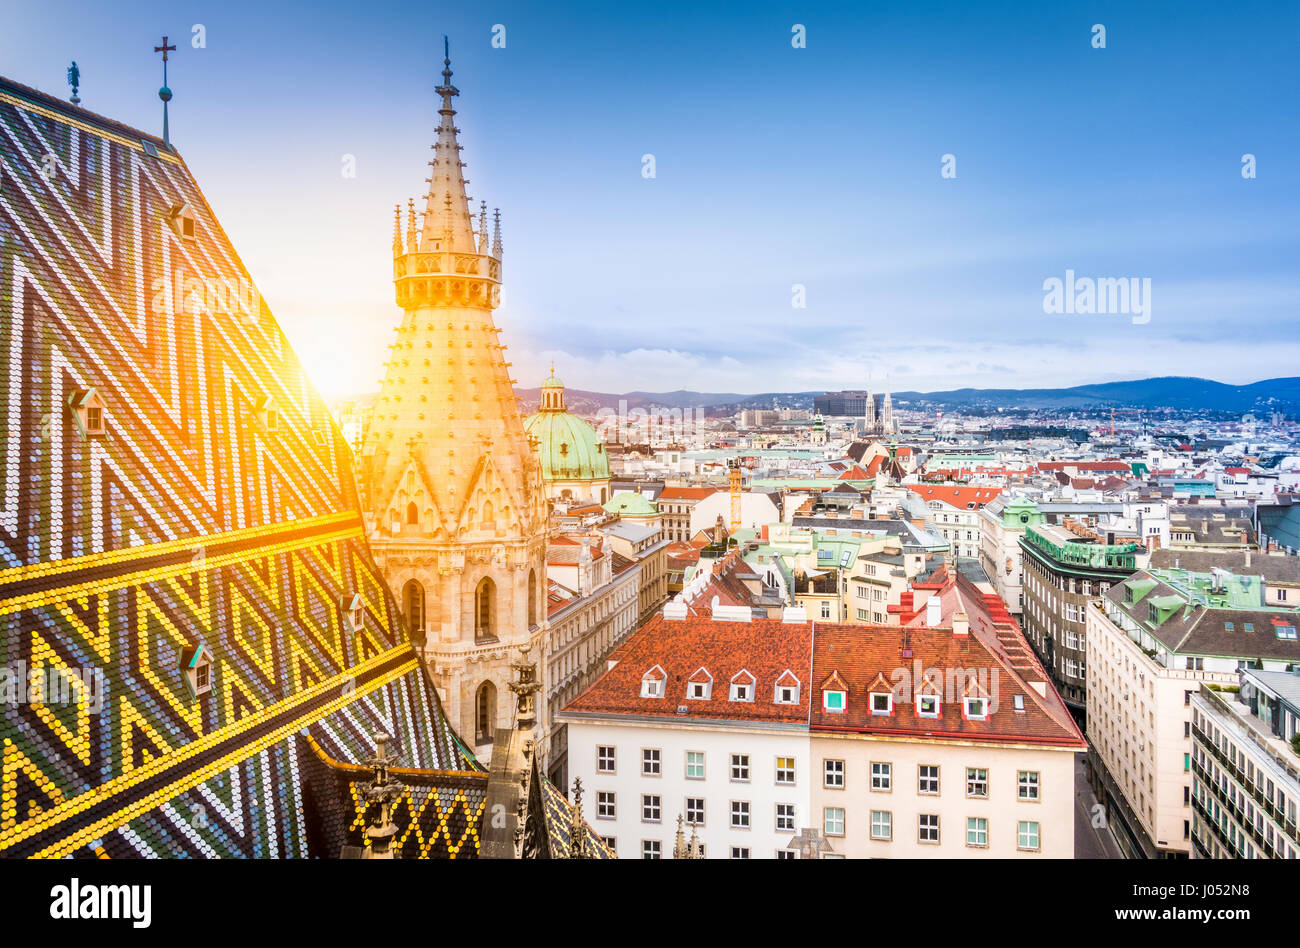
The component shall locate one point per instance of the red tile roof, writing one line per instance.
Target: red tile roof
(954, 496)
(1096, 467)
(932, 660)
(767, 649)
(686, 493)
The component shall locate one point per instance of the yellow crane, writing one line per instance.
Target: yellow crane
(733, 478)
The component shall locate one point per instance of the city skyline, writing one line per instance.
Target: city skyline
(686, 280)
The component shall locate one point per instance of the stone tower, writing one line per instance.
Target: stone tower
(453, 493)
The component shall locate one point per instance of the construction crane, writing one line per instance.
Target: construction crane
(733, 478)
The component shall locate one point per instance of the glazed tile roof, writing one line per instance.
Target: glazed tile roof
(216, 516)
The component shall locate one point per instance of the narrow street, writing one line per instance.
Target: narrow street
(1090, 842)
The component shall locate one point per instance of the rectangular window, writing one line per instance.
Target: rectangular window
(739, 852)
(740, 814)
(739, 766)
(977, 782)
(833, 701)
(785, 817)
(611, 842)
(785, 854)
(928, 828)
(927, 778)
(977, 831)
(1027, 835)
(604, 760)
(833, 820)
(651, 849)
(695, 765)
(605, 804)
(882, 703)
(695, 811)
(881, 776)
(1027, 783)
(833, 774)
(882, 824)
(785, 770)
(650, 762)
(649, 808)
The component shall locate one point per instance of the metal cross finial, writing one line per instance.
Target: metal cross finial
(164, 49)
(165, 93)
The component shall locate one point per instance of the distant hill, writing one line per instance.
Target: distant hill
(1176, 392)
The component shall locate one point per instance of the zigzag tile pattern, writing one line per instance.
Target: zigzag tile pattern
(216, 510)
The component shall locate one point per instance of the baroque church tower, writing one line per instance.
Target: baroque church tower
(453, 492)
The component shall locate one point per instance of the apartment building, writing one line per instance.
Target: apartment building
(954, 513)
(591, 607)
(1246, 768)
(1153, 640)
(675, 505)
(645, 545)
(1002, 522)
(932, 741)
(1064, 568)
(703, 718)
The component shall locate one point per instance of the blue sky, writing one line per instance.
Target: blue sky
(775, 166)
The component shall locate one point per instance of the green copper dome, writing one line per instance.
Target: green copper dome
(567, 446)
(630, 504)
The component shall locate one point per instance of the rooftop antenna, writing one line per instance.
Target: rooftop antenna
(164, 93)
(74, 80)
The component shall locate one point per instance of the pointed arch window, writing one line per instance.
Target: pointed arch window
(413, 606)
(532, 597)
(412, 513)
(485, 712)
(485, 609)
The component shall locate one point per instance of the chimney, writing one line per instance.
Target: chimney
(960, 624)
(933, 611)
(1247, 553)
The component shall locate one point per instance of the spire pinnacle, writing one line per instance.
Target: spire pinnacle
(496, 233)
(397, 230)
(482, 228)
(446, 181)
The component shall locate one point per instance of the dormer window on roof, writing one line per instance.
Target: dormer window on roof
(882, 703)
(354, 609)
(196, 669)
(976, 708)
(699, 687)
(182, 221)
(87, 409)
(268, 416)
(652, 683)
(834, 694)
(742, 686)
(787, 689)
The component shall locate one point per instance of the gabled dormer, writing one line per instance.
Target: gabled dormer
(699, 687)
(653, 682)
(354, 612)
(880, 693)
(786, 690)
(929, 699)
(266, 414)
(196, 669)
(835, 694)
(743, 686)
(976, 705)
(181, 218)
(86, 407)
